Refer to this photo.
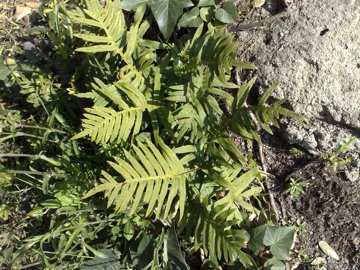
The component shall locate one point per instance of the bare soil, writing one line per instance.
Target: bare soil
(328, 209)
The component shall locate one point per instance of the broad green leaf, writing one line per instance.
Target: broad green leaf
(128, 231)
(257, 238)
(176, 258)
(110, 263)
(132, 4)
(50, 203)
(280, 241)
(36, 212)
(167, 13)
(227, 14)
(203, 3)
(144, 254)
(207, 13)
(191, 18)
(274, 264)
(97, 253)
(5, 69)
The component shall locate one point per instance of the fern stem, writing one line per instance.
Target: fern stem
(22, 134)
(42, 128)
(261, 152)
(36, 173)
(17, 155)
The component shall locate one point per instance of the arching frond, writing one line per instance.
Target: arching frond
(109, 21)
(217, 50)
(111, 34)
(197, 108)
(152, 176)
(213, 232)
(238, 191)
(105, 125)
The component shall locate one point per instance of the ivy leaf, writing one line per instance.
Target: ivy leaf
(167, 12)
(112, 261)
(207, 13)
(280, 241)
(227, 14)
(257, 237)
(144, 254)
(176, 258)
(274, 264)
(190, 19)
(132, 4)
(204, 3)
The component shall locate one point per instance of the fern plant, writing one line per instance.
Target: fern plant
(151, 158)
(152, 177)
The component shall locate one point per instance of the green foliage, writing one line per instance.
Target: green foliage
(123, 143)
(278, 240)
(295, 188)
(158, 175)
(168, 12)
(338, 159)
(212, 230)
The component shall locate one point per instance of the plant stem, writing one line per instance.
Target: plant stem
(42, 128)
(17, 155)
(21, 134)
(261, 152)
(36, 173)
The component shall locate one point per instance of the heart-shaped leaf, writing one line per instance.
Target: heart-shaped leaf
(280, 241)
(207, 13)
(132, 4)
(167, 13)
(274, 264)
(204, 3)
(257, 237)
(191, 18)
(227, 14)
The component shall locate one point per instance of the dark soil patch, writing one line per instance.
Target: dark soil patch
(329, 207)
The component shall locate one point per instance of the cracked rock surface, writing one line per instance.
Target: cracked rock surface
(315, 54)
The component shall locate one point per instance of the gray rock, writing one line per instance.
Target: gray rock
(315, 53)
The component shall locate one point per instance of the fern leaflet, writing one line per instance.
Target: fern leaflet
(149, 176)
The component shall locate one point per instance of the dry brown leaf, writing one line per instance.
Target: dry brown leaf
(259, 3)
(33, 5)
(2, 16)
(21, 12)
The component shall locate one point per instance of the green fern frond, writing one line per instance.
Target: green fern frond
(151, 176)
(237, 191)
(217, 50)
(269, 114)
(213, 232)
(109, 21)
(197, 108)
(105, 125)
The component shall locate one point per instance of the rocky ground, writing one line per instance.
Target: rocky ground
(312, 49)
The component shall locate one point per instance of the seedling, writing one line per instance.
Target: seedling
(339, 160)
(295, 188)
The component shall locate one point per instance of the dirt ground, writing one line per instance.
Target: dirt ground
(328, 209)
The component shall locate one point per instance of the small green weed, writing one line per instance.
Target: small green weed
(338, 159)
(297, 152)
(295, 188)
